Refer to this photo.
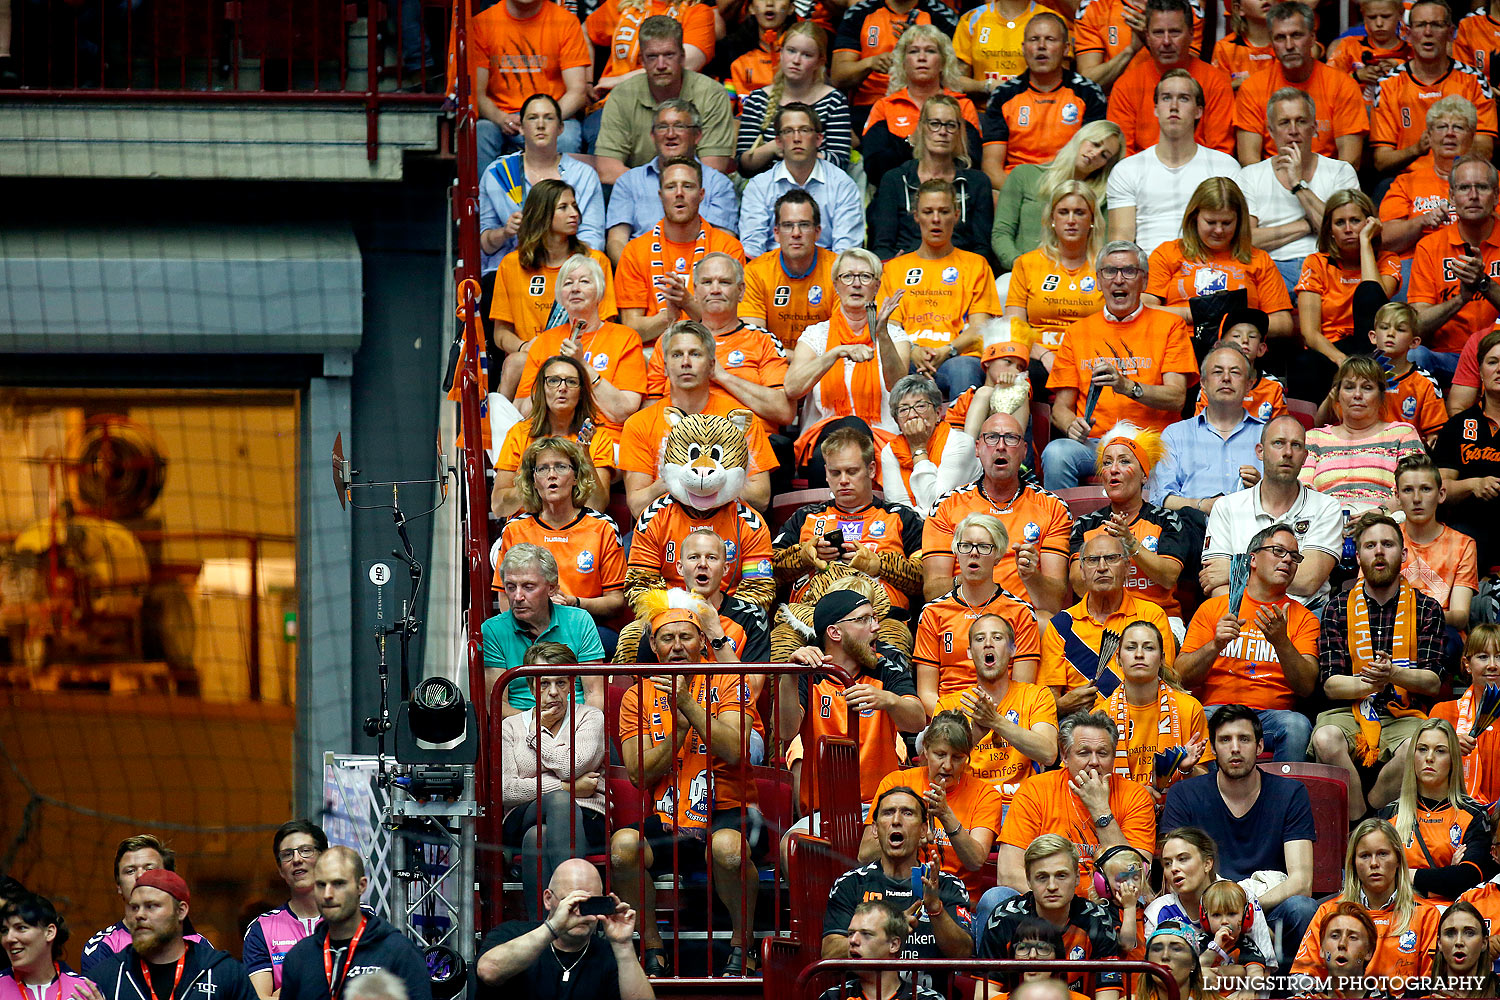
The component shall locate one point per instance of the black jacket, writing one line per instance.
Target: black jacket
(380, 947)
(893, 231)
(208, 974)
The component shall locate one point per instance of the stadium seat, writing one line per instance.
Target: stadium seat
(781, 959)
(811, 869)
(1305, 412)
(839, 805)
(1082, 500)
(784, 504)
(1041, 425)
(1327, 788)
(614, 694)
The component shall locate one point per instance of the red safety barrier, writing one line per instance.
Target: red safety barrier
(975, 970)
(625, 803)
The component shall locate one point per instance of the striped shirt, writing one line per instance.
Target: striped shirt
(1360, 473)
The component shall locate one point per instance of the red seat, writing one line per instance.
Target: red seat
(614, 694)
(1082, 500)
(773, 794)
(839, 805)
(1327, 789)
(811, 868)
(1305, 412)
(622, 800)
(1041, 426)
(784, 504)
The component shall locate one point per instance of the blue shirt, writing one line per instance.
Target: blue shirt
(839, 201)
(636, 200)
(1250, 843)
(505, 642)
(496, 204)
(1200, 463)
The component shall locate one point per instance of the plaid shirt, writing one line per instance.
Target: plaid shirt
(1333, 640)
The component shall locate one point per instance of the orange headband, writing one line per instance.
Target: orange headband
(1135, 449)
(675, 615)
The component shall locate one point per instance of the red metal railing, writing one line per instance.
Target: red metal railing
(834, 970)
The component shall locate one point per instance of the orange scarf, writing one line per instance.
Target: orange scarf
(1168, 723)
(863, 376)
(1474, 763)
(902, 451)
(1362, 655)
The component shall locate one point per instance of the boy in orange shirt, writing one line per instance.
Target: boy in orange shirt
(1415, 396)
(1440, 562)
(1379, 51)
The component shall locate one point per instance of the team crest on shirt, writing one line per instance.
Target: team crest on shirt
(681, 265)
(1300, 527)
(815, 295)
(1454, 834)
(1150, 543)
(1070, 113)
(1408, 942)
(1207, 280)
(730, 551)
(1087, 283)
(1409, 406)
(1013, 717)
(783, 295)
(1264, 410)
(598, 360)
(1032, 532)
(877, 530)
(1076, 955)
(585, 561)
(735, 359)
(950, 275)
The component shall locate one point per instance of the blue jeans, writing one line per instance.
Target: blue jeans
(1067, 463)
(492, 143)
(993, 897)
(956, 374)
(1290, 270)
(1442, 366)
(415, 51)
(1294, 914)
(1286, 733)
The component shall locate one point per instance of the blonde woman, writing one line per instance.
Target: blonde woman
(801, 77)
(1376, 876)
(1055, 285)
(1021, 211)
(922, 67)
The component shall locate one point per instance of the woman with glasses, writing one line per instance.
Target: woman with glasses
(929, 458)
(801, 77)
(562, 406)
(1354, 460)
(941, 153)
(1034, 940)
(1021, 212)
(1054, 285)
(922, 67)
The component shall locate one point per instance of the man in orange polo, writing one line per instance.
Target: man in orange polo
(1132, 105)
(1109, 33)
(1140, 359)
(790, 287)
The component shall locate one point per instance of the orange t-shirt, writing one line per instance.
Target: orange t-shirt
(526, 56)
(591, 560)
(747, 352)
(1133, 108)
(1336, 283)
(1265, 400)
(1058, 671)
(823, 702)
(641, 440)
(1406, 954)
(1351, 53)
(1449, 560)
(688, 795)
(1488, 750)
(1238, 58)
(1418, 188)
(943, 637)
(788, 304)
(613, 352)
(615, 29)
(645, 258)
(1145, 347)
(752, 71)
(600, 446)
(992, 759)
(940, 295)
(1100, 26)
(1340, 107)
(1400, 115)
(1053, 296)
(664, 523)
(1031, 515)
(1175, 279)
(1046, 804)
(1418, 401)
(1476, 42)
(526, 299)
(1433, 281)
(1248, 672)
(1144, 731)
(878, 33)
(900, 112)
(976, 804)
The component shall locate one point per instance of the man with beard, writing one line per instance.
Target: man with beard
(160, 963)
(878, 930)
(1260, 821)
(134, 855)
(684, 742)
(1347, 946)
(296, 847)
(1380, 651)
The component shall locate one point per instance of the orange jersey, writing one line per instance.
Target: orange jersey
(823, 702)
(1265, 400)
(872, 28)
(785, 304)
(1335, 283)
(749, 353)
(1400, 115)
(1175, 279)
(900, 112)
(990, 42)
(1157, 530)
(1433, 280)
(613, 352)
(1487, 786)
(1031, 515)
(1441, 830)
(616, 29)
(664, 523)
(1486, 897)
(1248, 671)
(1145, 347)
(1053, 296)
(525, 297)
(943, 637)
(939, 296)
(1417, 400)
(976, 804)
(994, 760)
(1058, 671)
(884, 526)
(753, 70)
(526, 56)
(641, 440)
(1405, 953)
(1436, 567)
(1477, 41)
(1046, 804)
(600, 446)
(1100, 26)
(1145, 729)
(1340, 106)
(689, 793)
(591, 560)
(1237, 58)
(1352, 53)
(647, 257)
(1132, 105)
(1034, 124)
(1416, 190)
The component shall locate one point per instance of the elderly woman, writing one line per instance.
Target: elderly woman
(561, 406)
(1021, 212)
(1416, 203)
(1054, 285)
(551, 783)
(1354, 461)
(1154, 711)
(922, 67)
(611, 352)
(929, 458)
(942, 153)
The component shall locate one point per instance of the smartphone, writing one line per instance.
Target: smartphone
(917, 871)
(596, 906)
(834, 537)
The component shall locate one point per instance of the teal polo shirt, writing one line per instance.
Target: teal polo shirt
(506, 642)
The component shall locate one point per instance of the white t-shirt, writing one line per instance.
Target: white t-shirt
(1159, 193)
(930, 481)
(1316, 519)
(1274, 205)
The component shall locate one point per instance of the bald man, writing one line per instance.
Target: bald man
(539, 957)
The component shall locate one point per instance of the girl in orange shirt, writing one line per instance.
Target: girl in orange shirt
(1248, 47)
(1481, 755)
(755, 46)
(1348, 255)
(1215, 255)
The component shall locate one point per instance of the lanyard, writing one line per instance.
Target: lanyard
(328, 956)
(146, 972)
(23, 991)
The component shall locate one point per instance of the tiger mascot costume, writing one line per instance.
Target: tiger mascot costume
(704, 463)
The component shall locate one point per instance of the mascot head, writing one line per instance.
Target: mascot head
(705, 459)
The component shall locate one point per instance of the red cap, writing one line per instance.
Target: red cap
(170, 883)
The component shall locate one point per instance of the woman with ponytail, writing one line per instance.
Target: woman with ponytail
(801, 76)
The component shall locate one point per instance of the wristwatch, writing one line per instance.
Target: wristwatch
(720, 642)
(1136, 390)
(1300, 186)
(1103, 821)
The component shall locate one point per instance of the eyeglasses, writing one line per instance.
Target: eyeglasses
(974, 548)
(1111, 559)
(305, 852)
(559, 468)
(1034, 949)
(933, 125)
(1120, 272)
(913, 409)
(858, 278)
(559, 381)
(671, 128)
(798, 132)
(1280, 552)
(865, 619)
(993, 438)
(796, 227)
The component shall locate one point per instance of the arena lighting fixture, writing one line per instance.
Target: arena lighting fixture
(447, 971)
(437, 714)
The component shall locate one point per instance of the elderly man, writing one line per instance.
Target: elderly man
(1084, 800)
(1264, 654)
(877, 929)
(1340, 129)
(1213, 453)
(529, 575)
(626, 130)
(799, 137)
(789, 287)
(1169, 46)
(696, 772)
(1453, 271)
(1316, 519)
(1286, 192)
(1416, 204)
(635, 203)
(516, 951)
(1036, 567)
(1146, 386)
